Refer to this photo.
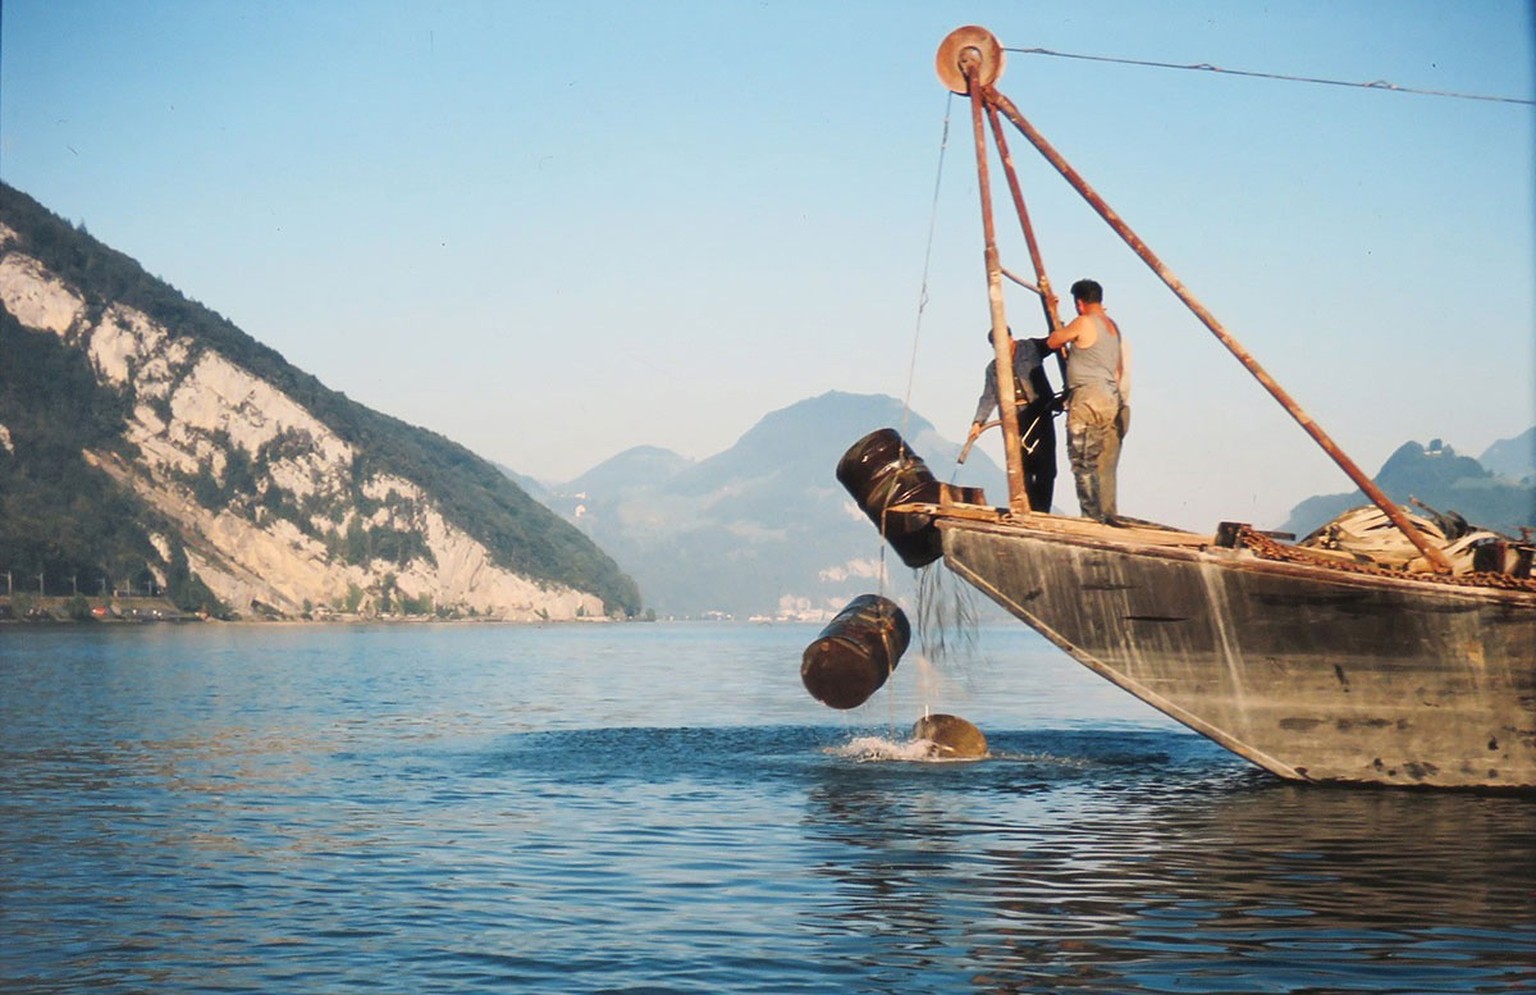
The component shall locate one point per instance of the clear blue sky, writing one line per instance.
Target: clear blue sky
(552, 231)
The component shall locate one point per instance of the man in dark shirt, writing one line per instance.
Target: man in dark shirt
(1037, 402)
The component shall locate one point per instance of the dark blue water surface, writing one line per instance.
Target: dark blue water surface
(662, 807)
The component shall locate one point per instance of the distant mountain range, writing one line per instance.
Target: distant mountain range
(1496, 491)
(147, 444)
(1514, 459)
(763, 528)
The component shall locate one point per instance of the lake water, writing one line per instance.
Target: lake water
(662, 807)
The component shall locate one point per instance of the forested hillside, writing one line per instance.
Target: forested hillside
(110, 388)
(65, 526)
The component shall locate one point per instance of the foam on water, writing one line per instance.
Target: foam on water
(875, 749)
(866, 749)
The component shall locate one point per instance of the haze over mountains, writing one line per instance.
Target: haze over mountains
(765, 529)
(1497, 490)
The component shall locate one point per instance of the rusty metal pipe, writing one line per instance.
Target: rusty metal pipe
(1002, 342)
(996, 100)
(1048, 298)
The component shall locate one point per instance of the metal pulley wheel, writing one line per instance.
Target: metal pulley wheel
(975, 44)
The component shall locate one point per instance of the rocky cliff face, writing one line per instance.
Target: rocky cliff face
(273, 507)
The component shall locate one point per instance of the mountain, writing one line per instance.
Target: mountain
(530, 486)
(763, 528)
(1436, 476)
(635, 465)
(147, 441)
(1513, 458)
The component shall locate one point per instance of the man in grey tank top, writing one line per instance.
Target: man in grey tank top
(1095, 416)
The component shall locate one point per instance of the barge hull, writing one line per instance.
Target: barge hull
(1313, 674)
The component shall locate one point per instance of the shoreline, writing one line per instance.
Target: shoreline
(51, 610)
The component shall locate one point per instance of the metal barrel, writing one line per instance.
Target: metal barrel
(856, 652)
(950, 735)
(881, 471)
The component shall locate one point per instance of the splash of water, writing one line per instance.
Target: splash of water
(874, 749)
(880, 749)
(946, 631)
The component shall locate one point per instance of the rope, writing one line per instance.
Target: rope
(922, 294)
(1379, 84)
(922, 305)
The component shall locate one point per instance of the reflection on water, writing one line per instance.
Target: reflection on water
(660, 808)
(1096, 873)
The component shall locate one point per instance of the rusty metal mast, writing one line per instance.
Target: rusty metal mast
(969, 61)
(972, 66)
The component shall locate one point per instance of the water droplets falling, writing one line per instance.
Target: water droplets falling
(946, 630)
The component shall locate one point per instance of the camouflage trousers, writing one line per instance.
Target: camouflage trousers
(1096, 422)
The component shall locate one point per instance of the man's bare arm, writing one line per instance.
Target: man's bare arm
(1070, 332)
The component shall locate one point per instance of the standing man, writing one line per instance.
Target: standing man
(1036, 403)
(1095, 422)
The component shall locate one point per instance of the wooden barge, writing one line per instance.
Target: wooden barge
(1317, 664)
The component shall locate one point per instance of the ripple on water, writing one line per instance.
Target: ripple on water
(482, 809)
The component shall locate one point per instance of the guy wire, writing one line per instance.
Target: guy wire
(922, 295)
(1379, 84)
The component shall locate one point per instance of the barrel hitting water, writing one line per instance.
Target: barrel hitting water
(952, 737)
(856, 652)
(880, 471)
